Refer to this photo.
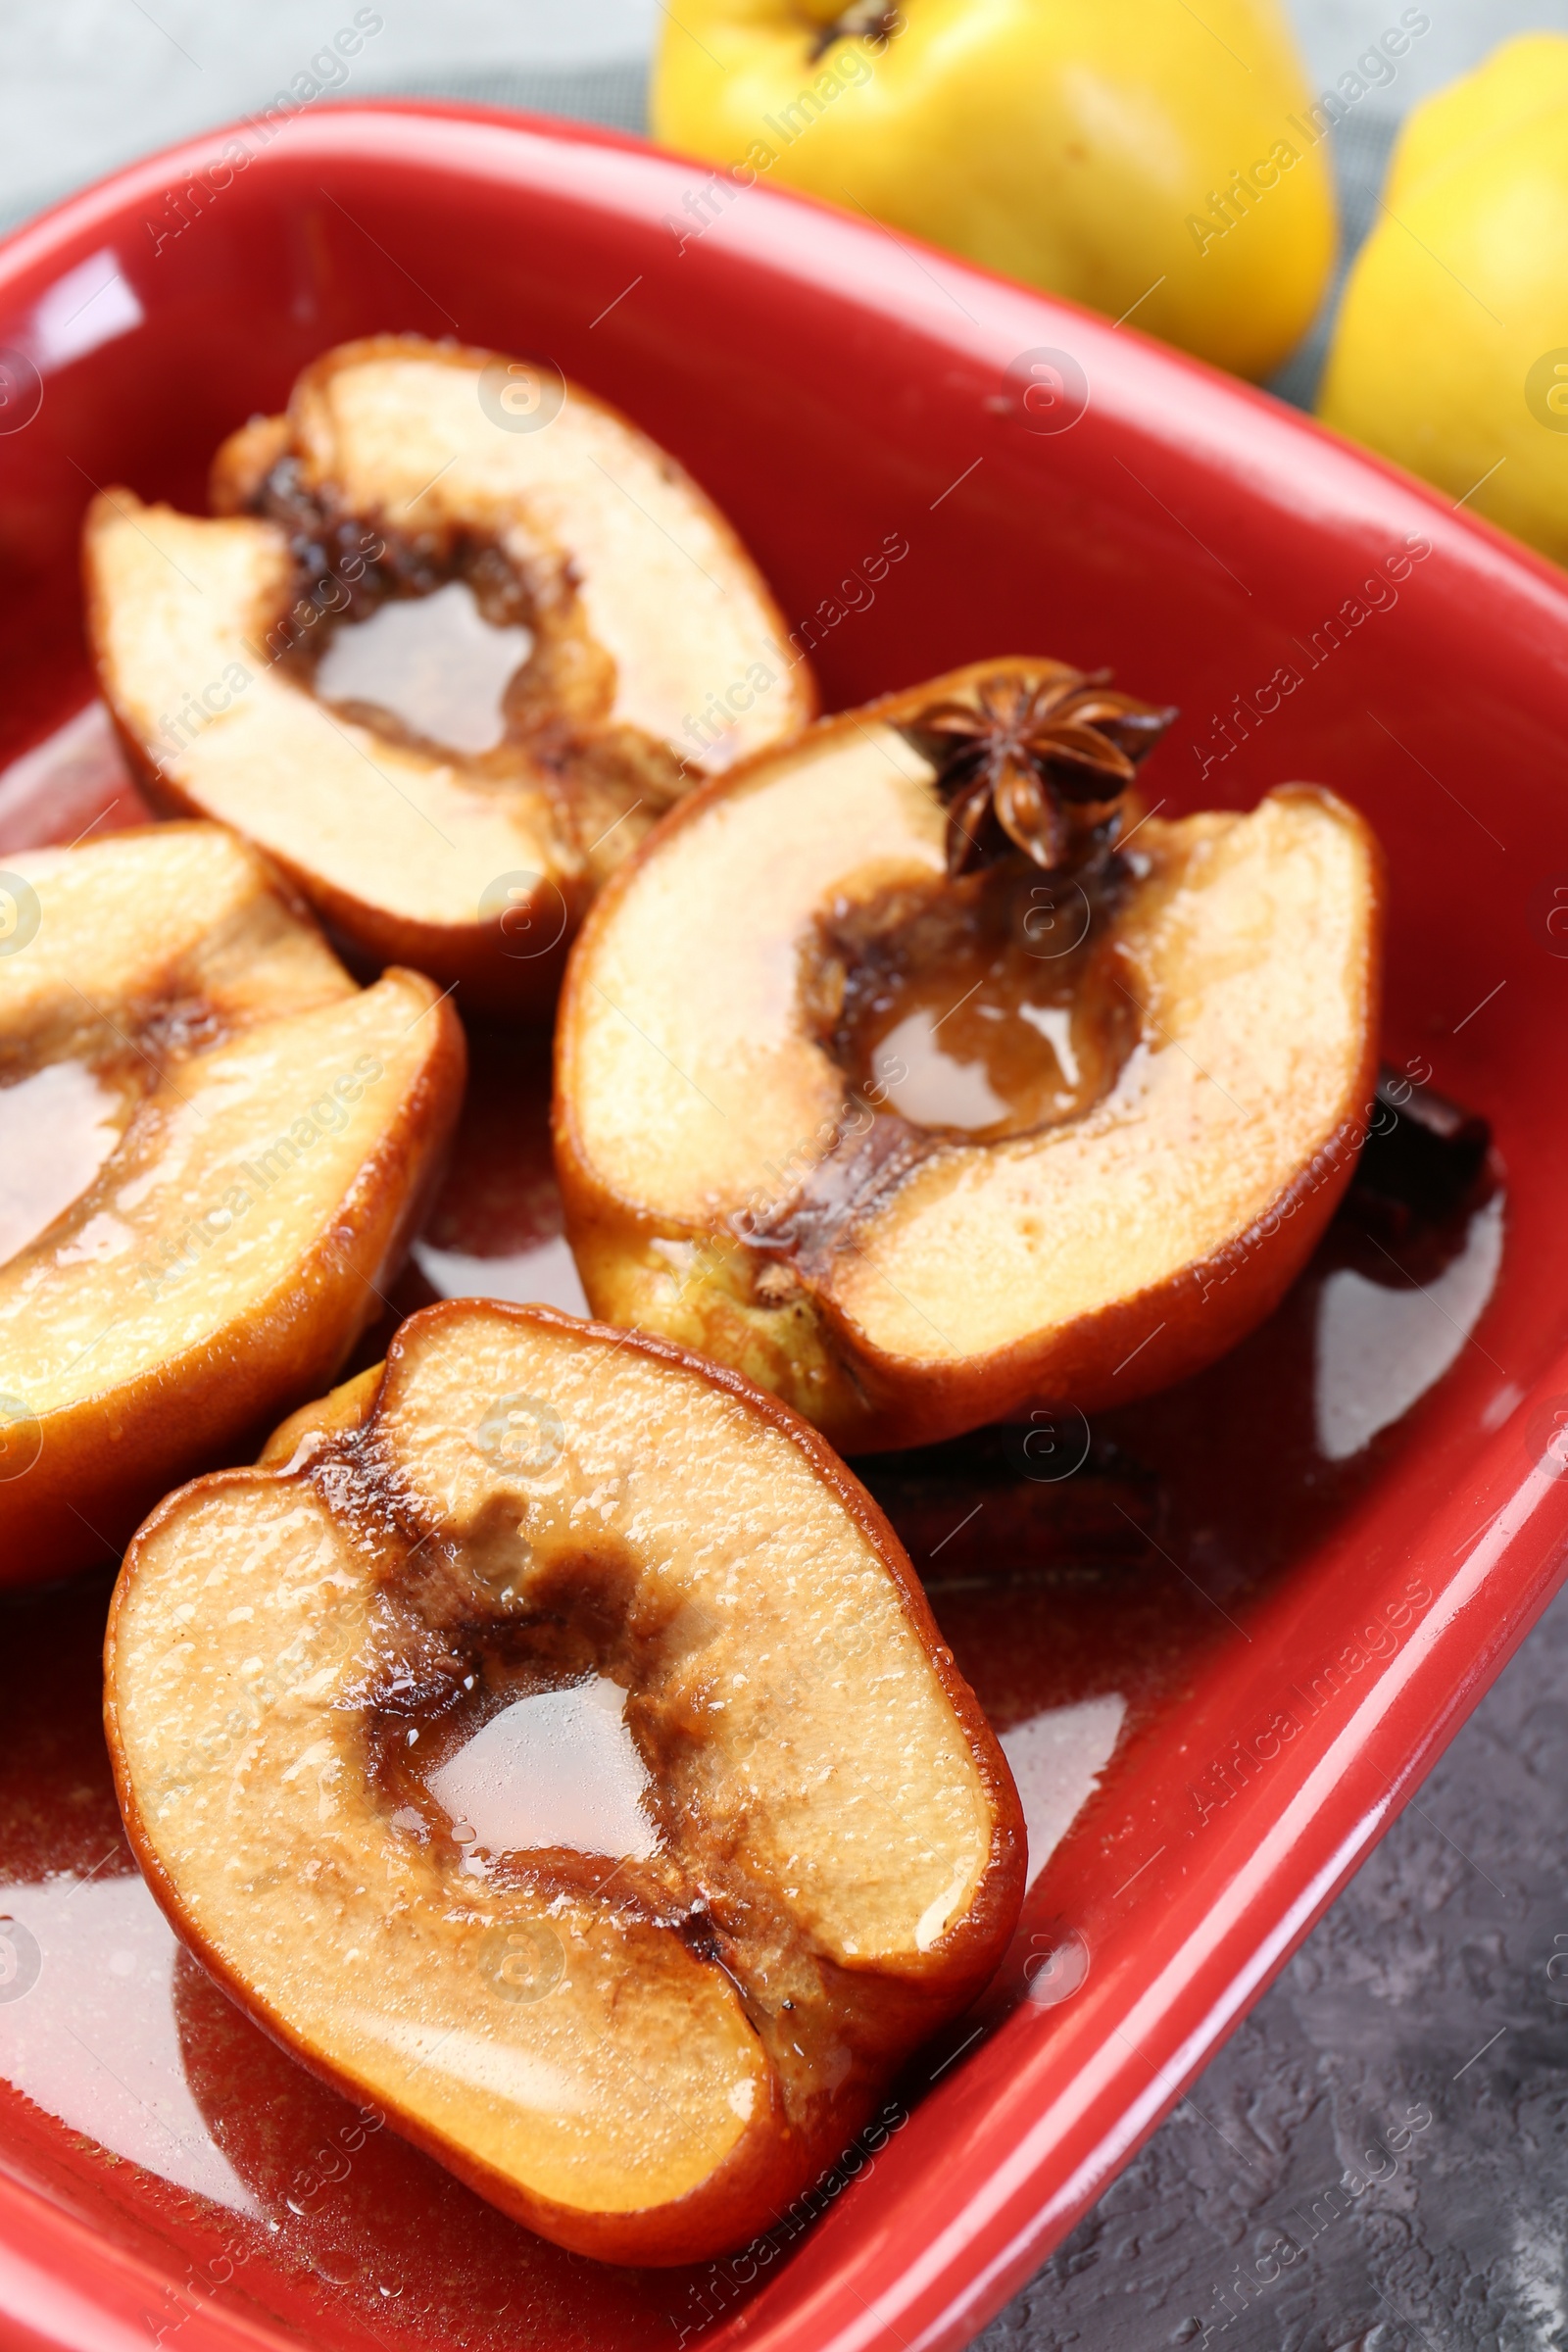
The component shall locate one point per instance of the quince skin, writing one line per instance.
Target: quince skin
(1451, 349)
(1133, 159)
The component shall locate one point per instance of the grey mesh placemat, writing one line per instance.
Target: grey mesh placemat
(615, 93)
(1361, 148)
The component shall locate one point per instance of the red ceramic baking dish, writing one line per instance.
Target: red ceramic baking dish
(1332, 1550)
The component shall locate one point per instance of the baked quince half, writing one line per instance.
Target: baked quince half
(907, 1070)
(455, 633)
(213, 1148)
(549, 1743)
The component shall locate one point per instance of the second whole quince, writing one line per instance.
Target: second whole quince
(1135, 159)
(1451, 350)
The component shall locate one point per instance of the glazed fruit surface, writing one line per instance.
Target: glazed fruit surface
(661, 1979)
(1099, 1185)
(452, 652)
(216, 1148)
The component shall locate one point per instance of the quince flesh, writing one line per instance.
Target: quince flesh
(1451, 353)
(1147, 1189)
(643, 2049)
(214, 1150)
(1073, 148)
(631, 604)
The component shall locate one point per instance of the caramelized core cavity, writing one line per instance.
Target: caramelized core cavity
(505, 1697)
(523, 1685)
(352, 575)
(68, 1093)
(463, 645)
(432, 663)
(518, 1752)
(966, 1009)
(978, 1009)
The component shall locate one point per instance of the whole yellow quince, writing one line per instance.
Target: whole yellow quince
(1143, 158)
(1451, 349)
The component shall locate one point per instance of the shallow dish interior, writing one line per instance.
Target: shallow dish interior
(1269, 1546)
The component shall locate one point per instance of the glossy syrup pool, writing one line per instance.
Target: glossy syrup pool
(1084, 1577)
(990, 1009)
(58, 1125)
(434, 662)
(555, 1768)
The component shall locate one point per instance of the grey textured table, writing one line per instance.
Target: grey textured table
(1428, 1989)
(1429, 2008)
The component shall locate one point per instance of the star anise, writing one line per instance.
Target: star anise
(1033, 768)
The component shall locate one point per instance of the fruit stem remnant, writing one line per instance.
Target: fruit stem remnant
(869, 20)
